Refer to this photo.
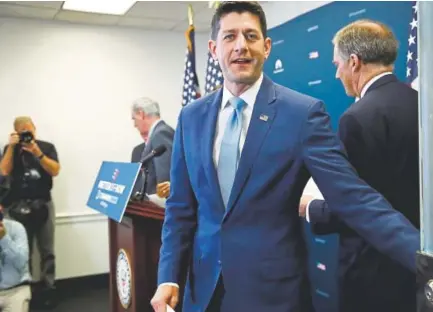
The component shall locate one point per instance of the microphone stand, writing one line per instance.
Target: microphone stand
(143, 195)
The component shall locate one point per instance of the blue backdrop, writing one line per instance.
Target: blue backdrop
(301, 59)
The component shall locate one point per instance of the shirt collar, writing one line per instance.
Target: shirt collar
(372, 80)
(248, 96)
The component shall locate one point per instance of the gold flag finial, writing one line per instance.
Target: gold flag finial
(190, 15)
(214, 4)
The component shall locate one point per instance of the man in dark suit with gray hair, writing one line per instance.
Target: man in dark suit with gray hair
(155, 132)
(380, 135)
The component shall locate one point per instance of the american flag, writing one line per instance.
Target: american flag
(412, 52)
(214, 76)
(191, 88)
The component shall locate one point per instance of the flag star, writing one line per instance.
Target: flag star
(414, 23)
(407, 72)
(415, 7)
(411, 40)
(409, 56)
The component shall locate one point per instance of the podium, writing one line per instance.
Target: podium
(134, 254)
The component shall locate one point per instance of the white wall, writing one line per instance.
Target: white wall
(77, 82)
(278, 12)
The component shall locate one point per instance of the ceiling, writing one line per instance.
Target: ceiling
(153, 15)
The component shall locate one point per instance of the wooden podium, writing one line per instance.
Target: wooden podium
(134, 255)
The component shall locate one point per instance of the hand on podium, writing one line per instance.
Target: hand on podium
(163, 189)
(166, 296)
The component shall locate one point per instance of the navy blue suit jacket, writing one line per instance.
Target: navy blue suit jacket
(257, 243)
(380, 134)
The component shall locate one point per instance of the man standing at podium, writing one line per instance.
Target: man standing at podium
(241, 158)
(155, 132)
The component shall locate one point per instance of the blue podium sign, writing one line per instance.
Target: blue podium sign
(112, 189)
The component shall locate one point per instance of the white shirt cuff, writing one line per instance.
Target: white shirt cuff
(307, 211)
(169, 284)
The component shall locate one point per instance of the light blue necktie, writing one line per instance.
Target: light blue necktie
(229, 152)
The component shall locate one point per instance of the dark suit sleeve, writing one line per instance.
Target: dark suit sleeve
(349, 198)
(180, 217)
(357, 143)
(162, 163)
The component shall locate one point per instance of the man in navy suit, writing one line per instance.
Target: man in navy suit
(155, 133)
(241, 159)
(380, 134)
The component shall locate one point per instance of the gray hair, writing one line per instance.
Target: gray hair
(22, 120)
(373, 42)
(147, 106)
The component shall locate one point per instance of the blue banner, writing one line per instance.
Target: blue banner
(113, 187)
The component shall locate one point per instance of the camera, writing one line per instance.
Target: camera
(26, 137)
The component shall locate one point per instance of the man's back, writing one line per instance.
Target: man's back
(159, 167)
(388, 115)
(380, 134)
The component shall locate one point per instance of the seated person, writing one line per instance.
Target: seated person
(15, 293)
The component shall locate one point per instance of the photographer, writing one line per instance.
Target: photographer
(30, 164)
(15, 278)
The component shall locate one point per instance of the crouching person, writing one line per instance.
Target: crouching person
(15, 293)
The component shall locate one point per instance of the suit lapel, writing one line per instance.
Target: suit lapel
(210, 117)
(261, 121)
(147, 149)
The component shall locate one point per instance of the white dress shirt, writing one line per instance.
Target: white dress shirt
(363, 91)
(227, 109)
(249, 97)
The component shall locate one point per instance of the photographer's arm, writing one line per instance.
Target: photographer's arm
(7, 162)
(51, 166)
(48, 160)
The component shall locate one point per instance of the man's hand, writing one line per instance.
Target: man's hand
(33, 148)
(2, 227)
(305, 200)
(14, 139)
(165, 295)
(163, 189)
(2, 230)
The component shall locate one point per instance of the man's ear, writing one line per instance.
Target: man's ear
(355, 63)
(212, 49)
(268, 46)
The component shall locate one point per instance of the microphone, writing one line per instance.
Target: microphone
(157, 151)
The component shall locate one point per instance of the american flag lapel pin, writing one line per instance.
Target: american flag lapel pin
(264, 117)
